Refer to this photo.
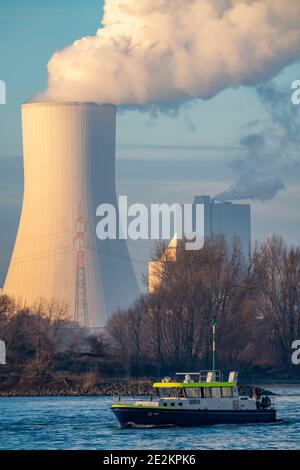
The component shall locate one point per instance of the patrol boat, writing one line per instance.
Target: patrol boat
(200, 398)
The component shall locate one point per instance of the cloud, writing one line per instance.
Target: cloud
(164, 53)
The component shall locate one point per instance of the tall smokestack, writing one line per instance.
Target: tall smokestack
(69, 169)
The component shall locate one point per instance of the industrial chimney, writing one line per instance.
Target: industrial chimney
(69, 169)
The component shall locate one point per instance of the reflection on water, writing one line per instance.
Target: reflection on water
(87, 423)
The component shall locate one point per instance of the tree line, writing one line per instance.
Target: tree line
(255, 302)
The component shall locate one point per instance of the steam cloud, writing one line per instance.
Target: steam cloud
(166, 52)
(158, 54)
(270, 153)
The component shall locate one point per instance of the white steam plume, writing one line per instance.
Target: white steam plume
(271, 152)
(169, 51)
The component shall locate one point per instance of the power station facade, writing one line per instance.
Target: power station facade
(231, 220)
(69, 169)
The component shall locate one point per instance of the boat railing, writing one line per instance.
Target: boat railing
(123, 399)
(131, 399)
(203, 375)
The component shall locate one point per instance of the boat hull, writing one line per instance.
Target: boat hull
(161, 417)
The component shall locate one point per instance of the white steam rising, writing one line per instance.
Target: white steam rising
(170, 51)
(271, 152)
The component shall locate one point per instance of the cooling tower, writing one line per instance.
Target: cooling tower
(69, 169)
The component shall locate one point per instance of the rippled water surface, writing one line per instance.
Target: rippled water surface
(88, 423)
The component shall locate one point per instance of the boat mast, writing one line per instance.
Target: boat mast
(214, 322)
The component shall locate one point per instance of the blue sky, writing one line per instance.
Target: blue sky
(163, 159)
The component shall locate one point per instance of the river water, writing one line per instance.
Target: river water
(88, 423)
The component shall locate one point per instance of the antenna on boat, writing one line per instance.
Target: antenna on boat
(214, 322)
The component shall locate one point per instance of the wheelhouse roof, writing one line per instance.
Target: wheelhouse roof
(192, 384)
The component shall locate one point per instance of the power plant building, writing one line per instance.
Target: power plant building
(69, 169)
(232, 221)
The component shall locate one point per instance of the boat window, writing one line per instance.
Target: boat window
(216, 392)
(167, 392)
(194, 402)
(207, 392)
(193, 392)
(172, 404)
(227, 391)
(180, 393)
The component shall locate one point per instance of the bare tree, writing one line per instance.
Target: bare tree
(278, 280)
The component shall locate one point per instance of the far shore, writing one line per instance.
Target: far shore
(113, 389)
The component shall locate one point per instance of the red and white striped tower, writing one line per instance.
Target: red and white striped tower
(81, 304)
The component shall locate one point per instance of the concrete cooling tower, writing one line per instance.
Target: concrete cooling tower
(69, 169)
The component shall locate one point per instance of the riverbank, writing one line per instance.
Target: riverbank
(114, 388)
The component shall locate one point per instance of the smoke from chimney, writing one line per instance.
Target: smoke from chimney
(166, 52)
(269, 153)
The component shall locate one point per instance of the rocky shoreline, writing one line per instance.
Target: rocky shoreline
(106, 389)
